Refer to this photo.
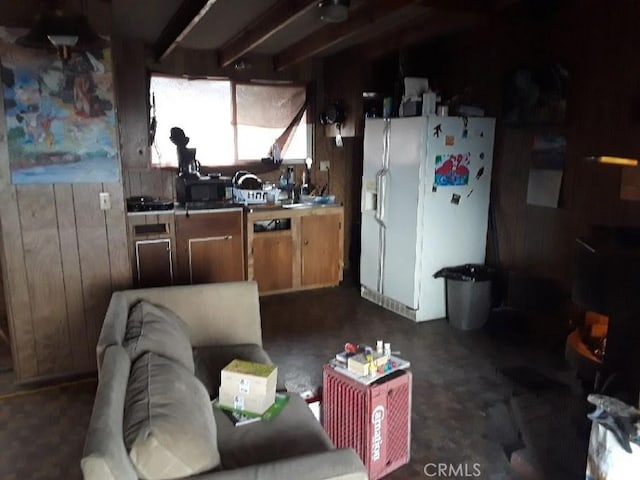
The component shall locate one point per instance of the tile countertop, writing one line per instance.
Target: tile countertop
(234, 207)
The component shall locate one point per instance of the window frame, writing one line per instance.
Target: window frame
(255, 165)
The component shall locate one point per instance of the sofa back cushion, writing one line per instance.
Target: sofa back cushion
(169, 428)
(156, 329)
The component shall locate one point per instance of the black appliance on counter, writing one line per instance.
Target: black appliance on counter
(192, 188)
(148, 204)
(202, 189)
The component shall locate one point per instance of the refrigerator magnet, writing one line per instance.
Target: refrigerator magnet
(465, 133)
(449, 140)
(482, 156)
(437, 130)
(480, 172)
(455, 199)
(434, 188)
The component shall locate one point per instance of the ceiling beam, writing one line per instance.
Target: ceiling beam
(326, 37)
(425, 27)
(478, 6)
(182, 22)
(273, 20)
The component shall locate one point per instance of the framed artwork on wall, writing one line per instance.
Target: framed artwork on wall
(61, 124)
(535, 96)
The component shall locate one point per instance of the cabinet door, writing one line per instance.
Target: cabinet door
(210, 247)
(215, 259)
(153, 263)
(272, 254)
(320, 247)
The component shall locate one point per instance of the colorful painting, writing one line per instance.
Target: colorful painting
(452, 170)
(61, 124)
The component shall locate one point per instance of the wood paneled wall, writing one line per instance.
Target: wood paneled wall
(341, 80)
(61, 258)
(594, 41)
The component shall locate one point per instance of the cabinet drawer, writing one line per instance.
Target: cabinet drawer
(209, 224)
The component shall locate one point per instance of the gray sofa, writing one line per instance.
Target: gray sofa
(224, 323)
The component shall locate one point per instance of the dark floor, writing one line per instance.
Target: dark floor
(465, 409)
(476, 396)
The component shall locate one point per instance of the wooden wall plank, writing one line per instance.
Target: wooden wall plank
(72, 277)
(134, 184)
(127, 183)
(130, 63)
(93, 251)
(24, 350)
(36, 204)
(117, 238)
(168, 184)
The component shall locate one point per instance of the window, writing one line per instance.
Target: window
(229, 123)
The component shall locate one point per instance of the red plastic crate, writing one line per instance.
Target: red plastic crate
(374, 420)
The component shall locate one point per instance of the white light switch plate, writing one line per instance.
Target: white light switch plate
(105, 201)
(325, 165)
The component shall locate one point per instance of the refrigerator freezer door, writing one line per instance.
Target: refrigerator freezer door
(371, 249)
(459, 159)
(402, 208)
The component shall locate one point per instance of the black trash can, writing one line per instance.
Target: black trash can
(468, 295)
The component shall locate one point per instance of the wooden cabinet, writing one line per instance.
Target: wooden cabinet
(307, 252)
(274, 269)
(152, 241)
(321, 260)
(154, 263)
(209, 247)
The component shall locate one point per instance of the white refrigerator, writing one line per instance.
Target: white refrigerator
(425, 203)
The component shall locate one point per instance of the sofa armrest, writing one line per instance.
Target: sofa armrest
(338, 464)
(105, 456)
(217, 313)
(113, 326)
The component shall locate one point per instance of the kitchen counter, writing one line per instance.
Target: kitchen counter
(234, 207)
(288, 205)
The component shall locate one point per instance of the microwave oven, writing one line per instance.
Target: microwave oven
(202, 189)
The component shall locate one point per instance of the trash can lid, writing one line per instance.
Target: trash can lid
(466, 273)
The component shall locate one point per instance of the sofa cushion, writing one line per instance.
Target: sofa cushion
(295, 431)
(209, 362)
(152, 328)
(169, 428)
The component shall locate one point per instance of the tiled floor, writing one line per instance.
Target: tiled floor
(464, 410)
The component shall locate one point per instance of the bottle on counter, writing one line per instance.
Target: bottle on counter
(307, 187)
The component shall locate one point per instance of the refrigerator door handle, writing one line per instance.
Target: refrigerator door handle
(379, 193)
(382, 194)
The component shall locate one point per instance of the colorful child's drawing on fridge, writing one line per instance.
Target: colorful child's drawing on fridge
(452, 170)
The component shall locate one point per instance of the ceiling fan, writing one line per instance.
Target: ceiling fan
(63, 32)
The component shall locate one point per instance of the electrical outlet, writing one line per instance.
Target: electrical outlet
(105, 201)
(325, 165)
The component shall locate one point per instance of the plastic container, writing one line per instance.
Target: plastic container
(468, 295)
(374, 420)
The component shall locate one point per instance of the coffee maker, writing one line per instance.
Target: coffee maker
(188, 166)
(194, 190)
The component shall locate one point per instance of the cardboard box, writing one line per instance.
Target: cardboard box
(248, 386)
(248, 403)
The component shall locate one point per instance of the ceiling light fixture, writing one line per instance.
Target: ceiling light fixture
(63, 33)
(334, 11)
